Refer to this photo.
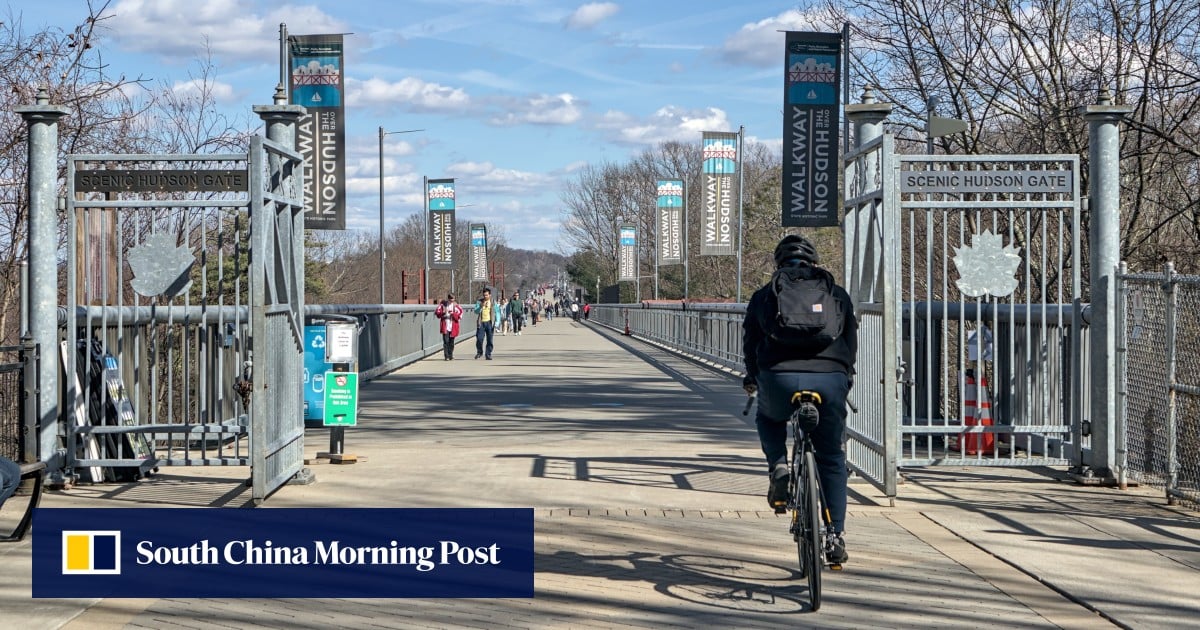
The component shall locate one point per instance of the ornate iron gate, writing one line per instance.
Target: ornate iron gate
(966, 271)
(184, 305)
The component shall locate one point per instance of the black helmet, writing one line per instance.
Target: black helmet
(794, 248)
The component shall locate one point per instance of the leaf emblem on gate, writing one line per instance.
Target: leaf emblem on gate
(987, 266)
(160, 267)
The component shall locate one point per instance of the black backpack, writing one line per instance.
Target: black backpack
(809, 316)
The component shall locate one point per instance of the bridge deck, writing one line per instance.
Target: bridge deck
(647, 485)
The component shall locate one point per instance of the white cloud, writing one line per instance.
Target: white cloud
(179, 28)
(591, 14)
(483, 178)
(761, 43)
(407, 94)
(542, 109)
(219, 91)
(667, 124)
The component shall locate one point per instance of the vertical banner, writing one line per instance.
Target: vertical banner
(811, 105)
(720, 152)
(439, 199)
(627, 267)
(316, 83)
(670, 222)
(479, 267)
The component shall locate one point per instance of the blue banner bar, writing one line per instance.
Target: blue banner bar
(308, 552)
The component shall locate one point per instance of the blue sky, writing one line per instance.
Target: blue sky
(514, 96)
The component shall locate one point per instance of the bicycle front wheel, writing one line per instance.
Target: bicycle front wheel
(812, 529)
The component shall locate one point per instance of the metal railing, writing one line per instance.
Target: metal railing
(709, 332)
(18, 439)
(1159, 392)
(183, 373)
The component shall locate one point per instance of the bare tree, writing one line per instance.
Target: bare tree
(1018, 72)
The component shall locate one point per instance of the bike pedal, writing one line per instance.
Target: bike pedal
(781, 509)
(835, 567)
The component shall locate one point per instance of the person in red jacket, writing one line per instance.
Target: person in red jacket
(449, 312)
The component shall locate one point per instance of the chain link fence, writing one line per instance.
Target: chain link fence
(1160, 382)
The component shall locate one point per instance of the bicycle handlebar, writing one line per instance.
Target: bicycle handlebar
(749, 403)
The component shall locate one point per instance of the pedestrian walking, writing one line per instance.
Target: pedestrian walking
(516, 311)
(489, 314)
(449, 312)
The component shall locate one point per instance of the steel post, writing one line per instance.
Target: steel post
(42, 122)
(1104, 194)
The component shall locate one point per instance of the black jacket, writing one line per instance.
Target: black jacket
(761, 354)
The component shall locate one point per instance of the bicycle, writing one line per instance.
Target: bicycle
(810, 519)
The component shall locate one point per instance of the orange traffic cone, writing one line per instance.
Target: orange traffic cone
(977, 412)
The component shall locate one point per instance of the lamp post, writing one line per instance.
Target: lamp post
(383, 133)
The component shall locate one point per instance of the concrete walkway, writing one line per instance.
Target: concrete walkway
(647, 485)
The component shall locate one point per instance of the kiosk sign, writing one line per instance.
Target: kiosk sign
(340, 343)
(341, 399)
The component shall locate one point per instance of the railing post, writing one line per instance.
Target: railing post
(1104, 195)
(1172, 381)
(41, 120)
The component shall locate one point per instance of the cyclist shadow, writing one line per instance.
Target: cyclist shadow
(714, 581)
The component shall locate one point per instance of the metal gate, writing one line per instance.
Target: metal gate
(277, 314)
(180, 270)
(966, 272)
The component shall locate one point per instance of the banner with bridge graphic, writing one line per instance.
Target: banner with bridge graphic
(811, 105)
(479, 264)
(670, 222)
(720, 153)
(316, 68)
(628, 267)
(439, 239)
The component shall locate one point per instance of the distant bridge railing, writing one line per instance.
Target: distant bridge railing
(709, 332)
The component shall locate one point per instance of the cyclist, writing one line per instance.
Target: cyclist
(776, 370)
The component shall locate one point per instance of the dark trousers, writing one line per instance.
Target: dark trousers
(775, 391)
(448, 345)
(517, 320)
(486, 329)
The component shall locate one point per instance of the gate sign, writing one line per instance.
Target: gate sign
(316, 83)
(439, 198)
(720, 166)
(811, 102)
(974, 182)
(479, 253)
(670, 222)
(627, 270)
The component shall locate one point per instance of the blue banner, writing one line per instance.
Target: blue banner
(309, 552)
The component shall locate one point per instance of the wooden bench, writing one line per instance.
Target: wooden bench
(36, 472)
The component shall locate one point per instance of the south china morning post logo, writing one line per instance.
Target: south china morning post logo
(91, 552)
(320, 552)
(300, 552)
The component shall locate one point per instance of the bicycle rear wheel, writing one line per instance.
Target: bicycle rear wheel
(812, 529)
(798, 503)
